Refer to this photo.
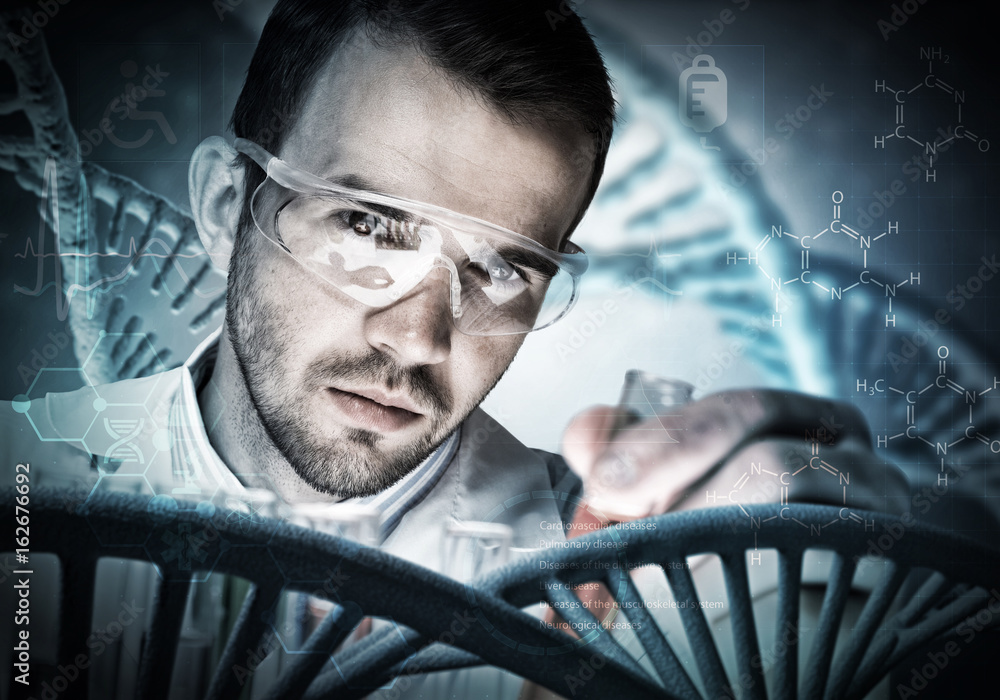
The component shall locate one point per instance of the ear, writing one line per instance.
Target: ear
(216, 190)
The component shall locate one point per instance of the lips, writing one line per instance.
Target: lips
(390, 401)
(371, 409)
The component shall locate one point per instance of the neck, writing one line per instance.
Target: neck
(236, 433)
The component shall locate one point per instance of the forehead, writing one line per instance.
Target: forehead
(388, 117)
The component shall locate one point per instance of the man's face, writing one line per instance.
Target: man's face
(354, 396)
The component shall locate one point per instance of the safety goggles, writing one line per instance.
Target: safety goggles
(376, 248)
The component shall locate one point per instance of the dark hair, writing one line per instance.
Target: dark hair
(532, 61)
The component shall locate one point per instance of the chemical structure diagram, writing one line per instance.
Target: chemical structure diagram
(912, 397)
(760, 483)
(836, 228)
(945, 136)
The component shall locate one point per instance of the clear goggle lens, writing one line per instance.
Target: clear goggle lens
(375, 251)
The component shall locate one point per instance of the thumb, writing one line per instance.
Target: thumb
(615, 468)
(587, 436)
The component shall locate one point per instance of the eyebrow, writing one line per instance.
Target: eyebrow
(352, 181)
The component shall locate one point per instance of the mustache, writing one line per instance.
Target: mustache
(379, 369)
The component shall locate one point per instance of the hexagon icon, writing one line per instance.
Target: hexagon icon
(51, 385)
(121, 437)
(186, 550)
(185, 543)
(256, 511)
(294, 568)
(295, 616)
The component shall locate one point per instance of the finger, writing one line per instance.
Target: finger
(786, 413)
(847, 473)
(586, 437)
(657, 459)
(788, 471)
(633, 473)
(719, 424)
(638, 479)
(649, 468)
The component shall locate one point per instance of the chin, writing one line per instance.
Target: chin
(355, 467)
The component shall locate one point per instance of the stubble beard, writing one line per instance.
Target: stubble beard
(349, 465)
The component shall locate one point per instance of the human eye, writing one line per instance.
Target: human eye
(359, 222)
(501, 270)
(384, 230)
(332, 220)
(495, 270)
(362, 222)
(528, 266)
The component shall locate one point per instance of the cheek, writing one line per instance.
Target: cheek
(306, 313)
(479, 361)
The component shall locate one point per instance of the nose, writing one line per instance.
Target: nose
(416, 330)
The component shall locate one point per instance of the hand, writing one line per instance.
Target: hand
(697, 456)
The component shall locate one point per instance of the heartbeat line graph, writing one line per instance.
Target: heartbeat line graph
(652, 254)
(29, 249)
(103, 285)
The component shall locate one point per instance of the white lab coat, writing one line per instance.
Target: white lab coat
(493, 477)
